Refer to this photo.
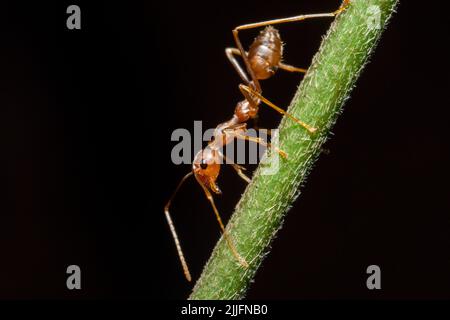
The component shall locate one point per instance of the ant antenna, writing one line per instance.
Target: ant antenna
(187, 274)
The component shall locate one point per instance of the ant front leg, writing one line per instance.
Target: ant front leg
(239, 132)
(238, 168)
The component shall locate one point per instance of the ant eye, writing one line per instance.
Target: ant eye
(203, 165)
(212, 139)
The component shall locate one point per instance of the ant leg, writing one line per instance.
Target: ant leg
(262, 142)
(287, 67)
(301, 17)
(173, 231)
(238, 132)
(231, 52)
(227, 237)
(238, 168)
(236, 30)
(245, 58)
(248, 92)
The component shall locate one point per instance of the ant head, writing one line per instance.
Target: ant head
(206, 168)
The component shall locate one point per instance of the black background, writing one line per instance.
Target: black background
(85, 124)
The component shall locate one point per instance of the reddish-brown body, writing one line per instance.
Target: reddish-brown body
(266, 53)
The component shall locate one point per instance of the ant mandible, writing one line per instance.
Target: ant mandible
(261, 62)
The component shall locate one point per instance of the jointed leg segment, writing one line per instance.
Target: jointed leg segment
(239, 130)
(238, 168)
(231, 53)
(287, 67)
(249, 91)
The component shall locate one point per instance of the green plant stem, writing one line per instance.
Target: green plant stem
(319, 100)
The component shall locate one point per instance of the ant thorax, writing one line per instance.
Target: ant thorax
(246, 110)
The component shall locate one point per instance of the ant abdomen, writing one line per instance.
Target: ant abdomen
(265, 53)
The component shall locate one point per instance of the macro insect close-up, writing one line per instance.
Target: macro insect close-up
(261, 61)
(241, 150)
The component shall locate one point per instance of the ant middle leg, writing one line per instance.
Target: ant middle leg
(249, 93)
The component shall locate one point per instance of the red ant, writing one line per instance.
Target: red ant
(261, 62)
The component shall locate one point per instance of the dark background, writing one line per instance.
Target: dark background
(85, 124)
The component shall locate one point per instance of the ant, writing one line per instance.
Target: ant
(261, 62)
